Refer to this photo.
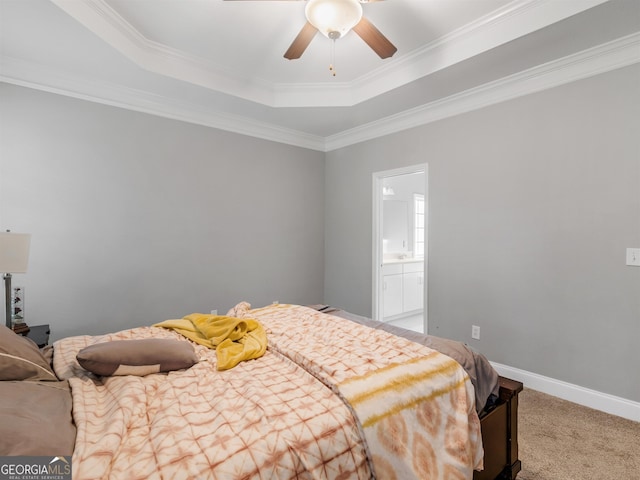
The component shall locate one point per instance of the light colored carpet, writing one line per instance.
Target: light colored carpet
(560, 440)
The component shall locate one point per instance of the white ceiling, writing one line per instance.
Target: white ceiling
(220, 63)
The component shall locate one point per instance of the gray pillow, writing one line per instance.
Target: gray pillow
(137, 357)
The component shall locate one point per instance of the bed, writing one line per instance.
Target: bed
(496, 397)
(332, 396)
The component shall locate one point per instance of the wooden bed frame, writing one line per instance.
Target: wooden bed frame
(500, 435)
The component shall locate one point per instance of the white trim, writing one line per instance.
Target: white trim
(604, 402)
(25, 74)
(376, 194)
(376, 264)
(503, 25)
(603, 58)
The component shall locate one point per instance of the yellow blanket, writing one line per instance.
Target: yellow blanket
(234, 339)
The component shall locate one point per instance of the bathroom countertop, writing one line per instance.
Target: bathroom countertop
(392, 261)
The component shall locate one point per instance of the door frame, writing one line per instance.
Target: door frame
(378, 179)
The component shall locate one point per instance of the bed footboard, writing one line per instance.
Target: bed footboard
(500, 435)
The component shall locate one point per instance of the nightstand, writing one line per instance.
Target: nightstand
(39, 334)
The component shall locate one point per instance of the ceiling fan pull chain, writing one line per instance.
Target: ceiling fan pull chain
(332, 59)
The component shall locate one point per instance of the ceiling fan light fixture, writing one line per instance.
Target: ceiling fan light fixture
(333, 18)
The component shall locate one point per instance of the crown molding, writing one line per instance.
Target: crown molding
(603, 58)
(107, 24)
(26, 74)
(515, 19)
(610, 56)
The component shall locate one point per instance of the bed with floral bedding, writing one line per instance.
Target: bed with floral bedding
(278, 392)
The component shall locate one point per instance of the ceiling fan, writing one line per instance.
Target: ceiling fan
(335, 18)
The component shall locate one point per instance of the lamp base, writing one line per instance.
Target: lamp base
(7, 299)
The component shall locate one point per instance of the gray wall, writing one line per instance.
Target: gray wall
(136, 219)
(532, 204)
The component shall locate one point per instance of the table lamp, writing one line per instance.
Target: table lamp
(14, 257)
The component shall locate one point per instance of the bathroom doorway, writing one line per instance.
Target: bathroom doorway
(400, 247)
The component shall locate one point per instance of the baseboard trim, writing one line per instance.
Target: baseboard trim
(574, 393)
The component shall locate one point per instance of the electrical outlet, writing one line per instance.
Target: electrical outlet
(214, 312)
(475, 332)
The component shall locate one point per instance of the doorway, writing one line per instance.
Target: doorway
(400, 251)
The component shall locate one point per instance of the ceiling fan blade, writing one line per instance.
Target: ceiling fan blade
(301, 42)
(376, 40)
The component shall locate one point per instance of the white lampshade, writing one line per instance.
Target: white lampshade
(333, 18)
(14, 252)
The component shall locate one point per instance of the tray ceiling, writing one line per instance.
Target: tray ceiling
(220, 63)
